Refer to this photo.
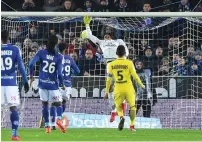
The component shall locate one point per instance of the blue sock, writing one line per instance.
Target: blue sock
(53, 114)
(63, 107)
(15, 122)
(59, 112)
(46, 115)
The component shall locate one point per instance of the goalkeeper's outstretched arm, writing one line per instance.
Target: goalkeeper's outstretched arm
(88, 33)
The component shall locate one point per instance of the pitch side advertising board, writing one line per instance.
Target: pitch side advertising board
(166, 87)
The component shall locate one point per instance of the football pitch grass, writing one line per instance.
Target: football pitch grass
(105, 135)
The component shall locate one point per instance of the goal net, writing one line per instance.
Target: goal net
(169, 47)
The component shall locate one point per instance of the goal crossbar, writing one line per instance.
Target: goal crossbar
(105, 14)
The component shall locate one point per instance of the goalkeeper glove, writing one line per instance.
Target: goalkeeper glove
(87, 20)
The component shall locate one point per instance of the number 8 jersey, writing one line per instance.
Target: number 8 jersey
(10, 57)
(50, 69)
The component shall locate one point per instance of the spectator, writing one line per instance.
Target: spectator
(27, 43)
(169, 7)
(174, 42)
(175, 63)
(103, 6)
(132, 54)
(79, 46)
(182, 69)
(184, 6)
(33, 32)
(190, 51)
(87, 65)
(157, 58)
(28, 5)
(143, 46)
(122, 6)
(142, 97)
(198, 63)
(74, 56)
(164, 68)
(147, 7)
(199, 8)
(175, 59)
(88, 6)
(148, 58)
(14, 33)
(51, 5)
(67, 6)
(34, 47)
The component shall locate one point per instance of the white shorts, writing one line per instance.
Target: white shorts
(10, 95)
(66, 93)
(50, 95)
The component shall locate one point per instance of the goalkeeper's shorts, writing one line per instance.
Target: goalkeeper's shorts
(66, 93)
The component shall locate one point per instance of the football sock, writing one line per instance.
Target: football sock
(59, 112)
(53, 114)
(132, 117)
(15, 122)
(63, 107)
(46, 115)
(114, 110)
(120, 111)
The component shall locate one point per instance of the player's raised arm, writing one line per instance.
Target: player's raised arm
(135, 76)
(88, 33)
(109, 78)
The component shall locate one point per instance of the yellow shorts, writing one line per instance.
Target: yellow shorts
(128, 95)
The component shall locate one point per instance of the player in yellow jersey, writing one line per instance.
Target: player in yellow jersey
(121, 70)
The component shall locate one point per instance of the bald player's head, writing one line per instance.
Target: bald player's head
(120, 52)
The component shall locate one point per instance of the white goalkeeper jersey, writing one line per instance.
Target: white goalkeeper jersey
(108, 47)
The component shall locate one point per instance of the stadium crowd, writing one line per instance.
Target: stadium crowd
(102, 5)
(172, 57)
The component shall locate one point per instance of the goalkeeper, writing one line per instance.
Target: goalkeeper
(108, 47)
(121, 70)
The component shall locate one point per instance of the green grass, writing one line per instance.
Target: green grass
(106, 135)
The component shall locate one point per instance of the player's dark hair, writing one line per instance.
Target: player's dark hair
(120, 51)
(52, 41)
(4, 36)
(61, 47)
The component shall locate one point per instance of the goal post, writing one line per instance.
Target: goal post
(104, 14)
(178, 93)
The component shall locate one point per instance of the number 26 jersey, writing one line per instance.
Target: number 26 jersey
(50, 69)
